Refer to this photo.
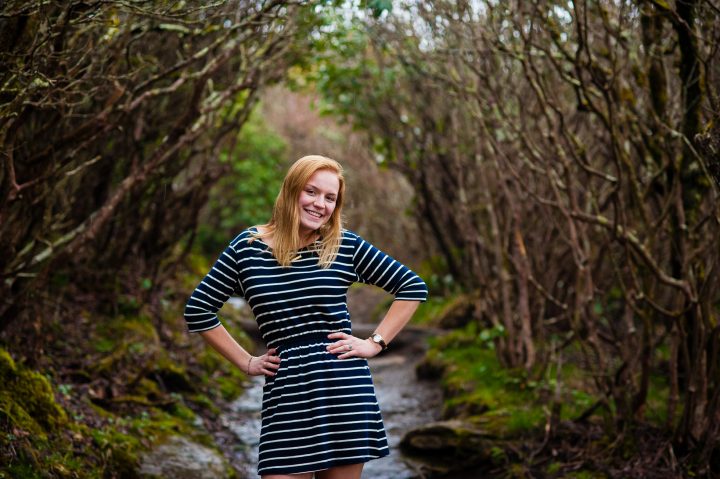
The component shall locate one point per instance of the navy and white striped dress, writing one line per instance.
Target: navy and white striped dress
(318, 411)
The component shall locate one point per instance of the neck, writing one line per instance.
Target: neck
(307, 237)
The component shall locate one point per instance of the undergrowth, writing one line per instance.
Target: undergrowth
(108, 388)
(545, 420)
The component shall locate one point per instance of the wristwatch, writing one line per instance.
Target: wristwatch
(377, 339)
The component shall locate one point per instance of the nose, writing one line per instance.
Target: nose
(319, 202)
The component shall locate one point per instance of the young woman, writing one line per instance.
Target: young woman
(319, 413)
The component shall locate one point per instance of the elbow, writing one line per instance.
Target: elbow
(424, 292)
(416, 291)
(199, 318)
(187, 312)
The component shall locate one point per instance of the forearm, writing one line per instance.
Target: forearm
(396, 318)
(223, 343)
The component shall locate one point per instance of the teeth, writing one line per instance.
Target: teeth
(314, 213)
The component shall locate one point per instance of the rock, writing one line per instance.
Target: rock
(181, 458)
(447, 446)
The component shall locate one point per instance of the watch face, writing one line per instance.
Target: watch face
(377, 338)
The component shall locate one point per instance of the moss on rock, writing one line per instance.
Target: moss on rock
(35, 394)
(27, 400)
(17, 417)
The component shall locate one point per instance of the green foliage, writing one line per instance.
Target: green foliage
(123, 438)
(377, 7)
(104, 345)
(507, 402)
(245, 194)
(342, 72)
(119, 446)
(475, 381)
(131, 343)
(656, 403)
(197, 265)
(554, 468)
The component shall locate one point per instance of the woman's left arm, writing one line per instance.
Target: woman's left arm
(375, 267)
(394, 321)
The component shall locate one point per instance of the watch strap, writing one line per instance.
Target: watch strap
(377, 339)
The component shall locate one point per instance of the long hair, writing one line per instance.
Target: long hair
(284, 225)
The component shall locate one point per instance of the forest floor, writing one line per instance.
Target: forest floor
(86, 394)
(547, 423)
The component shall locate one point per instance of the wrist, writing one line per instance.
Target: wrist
(377, 339)
(377, 347)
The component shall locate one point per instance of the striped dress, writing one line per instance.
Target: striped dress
(318, 411)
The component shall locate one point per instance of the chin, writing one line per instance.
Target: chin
(310, 226)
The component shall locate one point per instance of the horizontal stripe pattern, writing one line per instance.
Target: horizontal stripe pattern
(283, 299)
(318, 411)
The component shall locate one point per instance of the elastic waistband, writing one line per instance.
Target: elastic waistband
(307, 338)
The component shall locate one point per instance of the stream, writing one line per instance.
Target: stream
(404, 401)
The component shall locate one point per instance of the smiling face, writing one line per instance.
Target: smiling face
(317, 201)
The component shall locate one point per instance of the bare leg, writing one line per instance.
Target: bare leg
(351, 471)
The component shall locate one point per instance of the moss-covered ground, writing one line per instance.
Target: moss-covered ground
(534, 416)
(107, 388)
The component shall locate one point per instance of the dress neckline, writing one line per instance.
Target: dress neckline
(304, 248)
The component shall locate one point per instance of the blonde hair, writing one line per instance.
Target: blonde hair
(284, 225)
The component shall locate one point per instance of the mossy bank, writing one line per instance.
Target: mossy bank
(118, 391)
(547, 422)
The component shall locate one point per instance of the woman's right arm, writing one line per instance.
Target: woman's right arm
(201, 315)
(223, 343)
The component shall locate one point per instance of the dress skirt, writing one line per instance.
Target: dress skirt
(318, 411)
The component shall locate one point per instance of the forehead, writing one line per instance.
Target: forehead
(326, 180)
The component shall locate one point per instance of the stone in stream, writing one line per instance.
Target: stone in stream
(181, 458)
(447, 446)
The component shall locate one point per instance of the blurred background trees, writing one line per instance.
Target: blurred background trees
(560, 156)
(117, 118)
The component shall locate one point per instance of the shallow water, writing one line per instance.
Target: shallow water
(405, 403)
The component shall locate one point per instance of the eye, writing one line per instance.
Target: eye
(310, 191)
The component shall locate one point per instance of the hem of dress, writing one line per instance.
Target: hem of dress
(332, 463)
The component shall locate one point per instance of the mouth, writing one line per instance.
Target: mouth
(314, 214)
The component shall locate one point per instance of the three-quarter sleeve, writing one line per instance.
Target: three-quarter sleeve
(372, 266)
(212, 292)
